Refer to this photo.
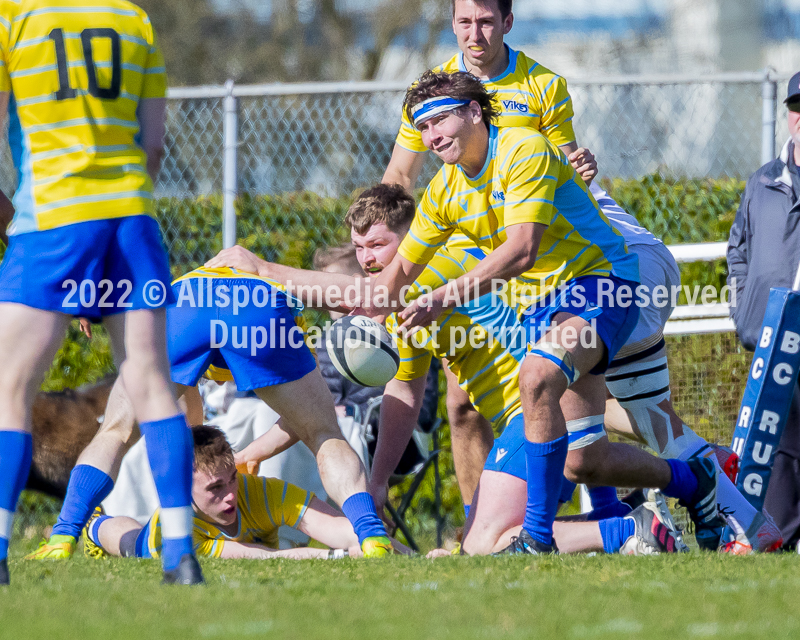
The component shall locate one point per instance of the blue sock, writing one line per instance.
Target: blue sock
(567, 489)
(545, 474)
(360, 511)
(466, 510)
(683, 484)
(170, 450)
(16, 452)
(615, 532)
(88, 487)
(602, 496)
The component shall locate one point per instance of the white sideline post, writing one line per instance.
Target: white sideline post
(769, 99)
(230, 134)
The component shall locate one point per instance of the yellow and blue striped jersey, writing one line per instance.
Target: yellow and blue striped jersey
(76, 73)
(219, 374)
(526, 179)
(528, 95)
(264, 505)
(482, 340)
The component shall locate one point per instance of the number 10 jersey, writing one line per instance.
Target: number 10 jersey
(76, 73)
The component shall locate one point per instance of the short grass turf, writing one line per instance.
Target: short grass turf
(688, 596)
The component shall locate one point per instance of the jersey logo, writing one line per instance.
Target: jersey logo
(513, 105)
(499, 195)
(463, 204)
(501, 453)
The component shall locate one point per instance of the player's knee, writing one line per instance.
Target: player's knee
(540, 381)
(582, 467)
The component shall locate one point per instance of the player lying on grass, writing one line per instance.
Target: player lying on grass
(515, 195)
(487, 369)
(235, 515)
(257, 342)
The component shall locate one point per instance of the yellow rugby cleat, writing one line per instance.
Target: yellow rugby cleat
(377, 547)
(56, 548)
(90, 549)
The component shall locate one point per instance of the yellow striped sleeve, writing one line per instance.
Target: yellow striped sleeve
(288, 503)
(557, 112)
(154, 83)
(532, 169)
(429, 231)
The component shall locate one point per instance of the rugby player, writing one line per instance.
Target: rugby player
(84, 88)
(483, 343)
(515, 195)
(233, 326)
(235, 515)
(528, 95)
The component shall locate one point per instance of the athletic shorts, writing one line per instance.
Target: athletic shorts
(593, 298)
(259, 341)
(657, 268)
(88, 269)
(508, 456)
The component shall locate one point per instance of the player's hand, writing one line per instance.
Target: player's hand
(422, 312)
(239, 258)
(245, 465)
(438, 553)
(584, 163)
(86, 327)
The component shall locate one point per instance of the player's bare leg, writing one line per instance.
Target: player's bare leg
(170, 450)
(29, 340)
(471, 436)
(307, 405)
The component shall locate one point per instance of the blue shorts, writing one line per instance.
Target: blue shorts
(593, 298)
(89, 269)
(258, 341)
(508, 456)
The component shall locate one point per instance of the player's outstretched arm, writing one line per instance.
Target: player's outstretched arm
(404, 168)
(245, 550)
(402, 401)
(277, 440)
(328, 525)
(511, 259)
(304, 284)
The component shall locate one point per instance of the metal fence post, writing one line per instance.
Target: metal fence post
(769, 98)
(230, 135)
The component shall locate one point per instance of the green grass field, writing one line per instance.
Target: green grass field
(688, 596)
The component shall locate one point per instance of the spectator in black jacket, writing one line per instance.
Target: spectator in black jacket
(764, 252)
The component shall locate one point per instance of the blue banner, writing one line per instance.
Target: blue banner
(768, 394)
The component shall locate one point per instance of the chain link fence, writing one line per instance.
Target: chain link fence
(295, 154)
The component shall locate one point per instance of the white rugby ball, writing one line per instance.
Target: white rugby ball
(362, 351)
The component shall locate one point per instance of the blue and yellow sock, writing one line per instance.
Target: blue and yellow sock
(545, 475)
(170, 450)
(88, 487)
(683, 484)
(93, 530)
(16, 453)
(615, 531)
(360, 511)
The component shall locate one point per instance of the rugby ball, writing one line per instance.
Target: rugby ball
(362, 351)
